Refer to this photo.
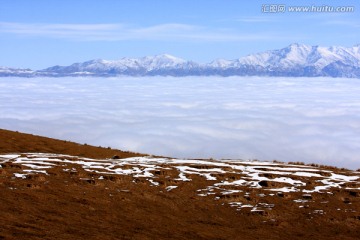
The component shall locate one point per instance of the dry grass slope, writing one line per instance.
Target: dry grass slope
(72, 201)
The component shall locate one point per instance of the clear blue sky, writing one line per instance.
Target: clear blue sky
(41, 33)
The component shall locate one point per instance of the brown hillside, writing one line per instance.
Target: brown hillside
(46, 196)
(12, 142)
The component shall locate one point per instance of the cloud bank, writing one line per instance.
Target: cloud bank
(121, 32)
(288, 119)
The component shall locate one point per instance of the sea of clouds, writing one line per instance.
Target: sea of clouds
(315, 120)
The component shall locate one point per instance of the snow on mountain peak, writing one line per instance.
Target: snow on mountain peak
(163, 59)
(169, 57)
(298, 45)
(160, 61)
(293, 60)
(293, 55)
(300, 55)
(220, 63)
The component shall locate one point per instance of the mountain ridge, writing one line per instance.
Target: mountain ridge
(295, 60)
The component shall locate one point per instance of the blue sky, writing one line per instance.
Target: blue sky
(41, 33)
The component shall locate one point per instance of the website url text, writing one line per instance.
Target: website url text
(282, 8)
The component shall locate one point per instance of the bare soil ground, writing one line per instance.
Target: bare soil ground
(71, 202)
(15, 142)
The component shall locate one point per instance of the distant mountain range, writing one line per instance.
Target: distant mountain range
(296, 60)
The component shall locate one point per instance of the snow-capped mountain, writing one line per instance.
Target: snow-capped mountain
(303, 56)
(150, 65)
(303, 60)
(294, 60)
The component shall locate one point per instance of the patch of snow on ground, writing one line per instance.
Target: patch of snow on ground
(169, 188)
(144, 167)
(19, 175)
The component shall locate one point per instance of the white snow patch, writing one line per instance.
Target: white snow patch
(182, 177)
(169, 188)
(153, 182)
(35, 171)
(9, 156)
(230, 192)
(19, 175)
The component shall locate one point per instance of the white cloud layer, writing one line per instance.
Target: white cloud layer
(120, 32)
(288, 119)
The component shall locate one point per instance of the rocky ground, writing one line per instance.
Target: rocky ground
(53, 189)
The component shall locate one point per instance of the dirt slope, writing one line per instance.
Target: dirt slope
(11, 142)
(63, 197)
